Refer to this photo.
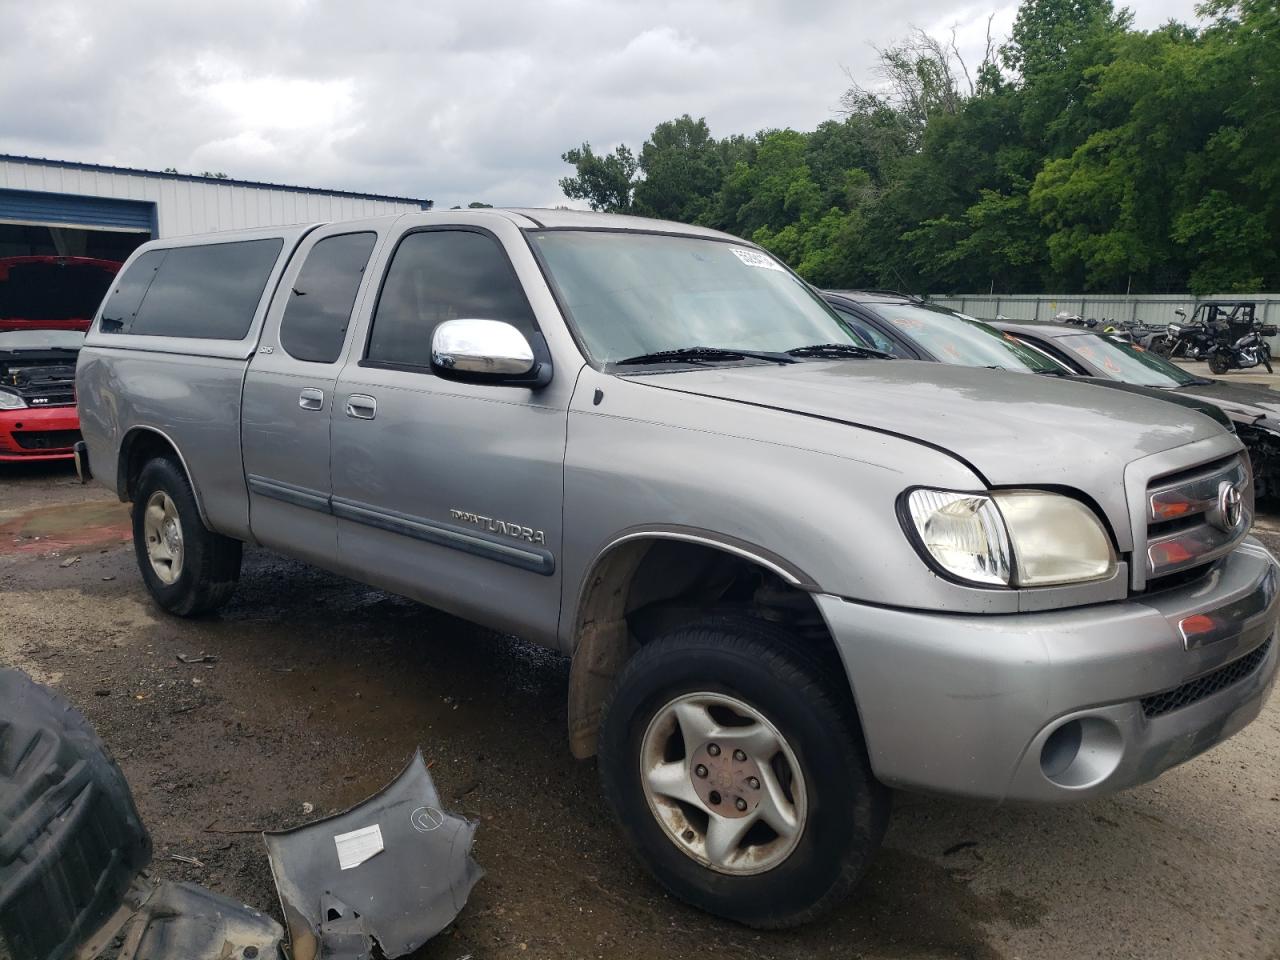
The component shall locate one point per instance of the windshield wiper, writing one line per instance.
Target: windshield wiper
(839, 350)
(1055, 373)
(703, 354)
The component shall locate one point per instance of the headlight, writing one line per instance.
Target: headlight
(964, 533)
(1017, 538)
(11, 401)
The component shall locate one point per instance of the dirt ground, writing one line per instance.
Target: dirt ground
(322, 690)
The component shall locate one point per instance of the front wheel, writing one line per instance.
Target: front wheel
(739, 776)
(188, 569)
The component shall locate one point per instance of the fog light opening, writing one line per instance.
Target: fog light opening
(1081, 752)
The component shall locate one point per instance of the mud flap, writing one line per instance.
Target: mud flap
(395, 869)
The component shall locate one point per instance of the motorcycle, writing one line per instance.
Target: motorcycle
(1241, 354)
(1188, 341)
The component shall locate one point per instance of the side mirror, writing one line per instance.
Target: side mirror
(489, 351)
(1182, 313)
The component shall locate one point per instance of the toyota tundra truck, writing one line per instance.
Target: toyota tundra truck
(791, 574)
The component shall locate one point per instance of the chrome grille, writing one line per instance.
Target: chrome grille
(1189, 520)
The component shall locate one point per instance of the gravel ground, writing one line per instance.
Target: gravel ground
(322, 689)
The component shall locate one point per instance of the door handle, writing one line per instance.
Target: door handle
(311, 399)
(361, 407)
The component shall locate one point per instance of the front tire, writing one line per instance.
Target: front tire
(189, 570)
(738, 773)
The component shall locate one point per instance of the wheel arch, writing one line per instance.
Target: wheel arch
(602, 639)
(139, 446)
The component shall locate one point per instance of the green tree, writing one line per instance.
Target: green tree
(605, 181)
(682, 166)
(1091, 156)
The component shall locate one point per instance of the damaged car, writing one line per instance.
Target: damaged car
(38, 418)
(1254, 409)
(389, 873)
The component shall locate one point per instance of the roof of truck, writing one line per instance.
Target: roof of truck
(526, 218)
(559, 218)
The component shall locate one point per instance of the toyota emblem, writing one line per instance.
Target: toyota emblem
(1230, 506)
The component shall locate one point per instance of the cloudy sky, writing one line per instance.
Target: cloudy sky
(455, 101)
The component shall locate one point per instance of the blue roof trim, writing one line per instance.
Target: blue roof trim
(196, 178)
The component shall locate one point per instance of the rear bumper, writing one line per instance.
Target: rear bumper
(38, 434)
(1063, 704)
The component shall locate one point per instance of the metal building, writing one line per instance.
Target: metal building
(63, 208)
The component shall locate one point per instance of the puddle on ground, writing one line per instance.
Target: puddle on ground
(63, 527)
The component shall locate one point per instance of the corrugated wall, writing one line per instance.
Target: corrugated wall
(1154, 310)
(196, 206)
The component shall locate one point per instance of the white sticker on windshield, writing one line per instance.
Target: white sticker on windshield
(754, 258)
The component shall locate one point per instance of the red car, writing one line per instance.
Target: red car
(46, 304)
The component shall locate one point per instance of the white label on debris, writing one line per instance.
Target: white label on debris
(356, 847)
(754, 258)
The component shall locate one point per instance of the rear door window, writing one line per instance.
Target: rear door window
(440, 275)
(316, 318)
(122, 304)
(210, 292)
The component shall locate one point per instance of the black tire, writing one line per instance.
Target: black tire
(1218, 364)
(211, 562)
(765, 667)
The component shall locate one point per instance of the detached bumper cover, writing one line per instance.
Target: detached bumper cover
(983, 706)
(396, 869)
(37, 433)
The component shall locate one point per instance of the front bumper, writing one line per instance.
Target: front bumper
(38, 433)
(1063, 704)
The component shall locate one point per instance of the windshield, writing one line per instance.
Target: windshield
(955, 338)
(629, 294)
(41, 339)
(1125, 362)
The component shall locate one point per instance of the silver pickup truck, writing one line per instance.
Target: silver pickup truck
(790, 574)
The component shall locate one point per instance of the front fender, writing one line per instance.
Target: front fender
(815, 499)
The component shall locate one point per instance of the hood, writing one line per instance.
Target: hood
(59, 293)
(1011, 428)
(1199, 404)
(1247, 401)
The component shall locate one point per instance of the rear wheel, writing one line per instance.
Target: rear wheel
(739, 776)
(1218, 364)
(187, 568)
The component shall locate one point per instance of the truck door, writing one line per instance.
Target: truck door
(450, 492)
(289, 392)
